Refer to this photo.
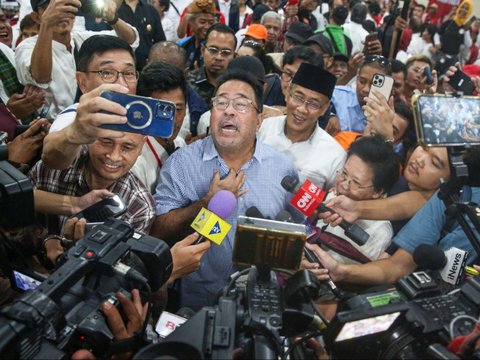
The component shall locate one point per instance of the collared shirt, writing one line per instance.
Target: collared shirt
(140, 206)
(147, 21)
(185, 178)
(11, 57)
(426, 228)
(317, 159)
(357, 34)
(199, 82)
(60, 90)
(348, 109)
(380, 232)
(224, 7)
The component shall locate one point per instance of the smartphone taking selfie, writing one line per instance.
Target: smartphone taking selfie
(383, 84)
(146, 116)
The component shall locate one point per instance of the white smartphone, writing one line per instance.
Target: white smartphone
(383, 84)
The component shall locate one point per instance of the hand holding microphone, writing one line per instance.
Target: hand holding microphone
(309, 197)
(210, 223)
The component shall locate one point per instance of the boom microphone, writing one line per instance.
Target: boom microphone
(309, 197)
(451, 264)
(209, 222)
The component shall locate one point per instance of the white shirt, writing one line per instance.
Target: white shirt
(357, 34)
(174, 12)
(60, 91)
(224, 7)
(147, 168)
(11, 57)
(169, 29)
(380, 231)
(418, 46)
(317, 159)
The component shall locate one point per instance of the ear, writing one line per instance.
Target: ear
(81, 81)
(203, 50)
(259, 119)
(377, 194)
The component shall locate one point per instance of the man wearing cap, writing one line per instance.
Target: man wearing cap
(321, 45)
(339, 66)
(200, 19)
(218, 51)
(256, 32)
(48, 59)
(296, 34)
(317, 156)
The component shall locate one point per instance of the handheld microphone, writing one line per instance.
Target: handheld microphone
(284, 215)
(451, 264)
(209, 222)
(253, 211)
(309, 197)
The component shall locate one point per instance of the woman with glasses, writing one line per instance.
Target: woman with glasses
(369, 172)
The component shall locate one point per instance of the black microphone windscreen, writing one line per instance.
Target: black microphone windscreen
(285, 216)
(185, 312)
(253, 211)
(289, 183)
(429, 257)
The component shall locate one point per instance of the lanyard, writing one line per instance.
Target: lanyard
(154, 152)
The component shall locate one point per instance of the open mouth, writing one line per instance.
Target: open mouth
(413, 166)
(229, 127)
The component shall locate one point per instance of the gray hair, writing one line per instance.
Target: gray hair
(271, 15)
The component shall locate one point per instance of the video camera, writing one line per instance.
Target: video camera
(63, 314)
(401, 323)
(260, 308)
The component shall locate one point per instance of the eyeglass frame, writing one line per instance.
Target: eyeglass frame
(341, 174)
(300, 101)
(101, 73)
(382, 60)
(217, 51)
(232, 101)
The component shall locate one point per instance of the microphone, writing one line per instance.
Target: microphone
(209, 222)
(451, 264)
(253, 211)
(309, 197)
(284, 215)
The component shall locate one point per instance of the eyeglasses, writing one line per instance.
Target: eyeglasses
(287, 76)
(309, 104)
(351, 183)
(111, 76)
(223, 52)
(239, 104)
(382, 61)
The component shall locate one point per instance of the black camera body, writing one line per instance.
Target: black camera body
(62, 314)
(145, 115)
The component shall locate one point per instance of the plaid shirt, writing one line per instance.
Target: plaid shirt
(140, 205)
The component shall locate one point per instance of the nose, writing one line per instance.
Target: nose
(302, 108)
(121, 80)
(115, 154)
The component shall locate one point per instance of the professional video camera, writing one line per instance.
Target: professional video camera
(402, 323)
(16, 194)
(63, 314)
(259, 310)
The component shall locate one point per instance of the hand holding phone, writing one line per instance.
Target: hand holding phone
(146, 116)
(428, 74)
(369, 39)
(104, 209)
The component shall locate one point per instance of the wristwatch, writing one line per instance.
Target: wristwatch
(113, 21)
(64, 242)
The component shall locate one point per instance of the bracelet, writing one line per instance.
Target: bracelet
(113, 21)
(64, 242)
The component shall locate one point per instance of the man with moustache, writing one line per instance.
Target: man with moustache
(218, 51)
(233, 159)
(48, 59)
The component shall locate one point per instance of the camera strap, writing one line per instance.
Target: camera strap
(152, 149)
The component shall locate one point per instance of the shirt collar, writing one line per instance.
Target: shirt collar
(210, 152)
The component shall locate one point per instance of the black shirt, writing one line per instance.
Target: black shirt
(148, 24)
